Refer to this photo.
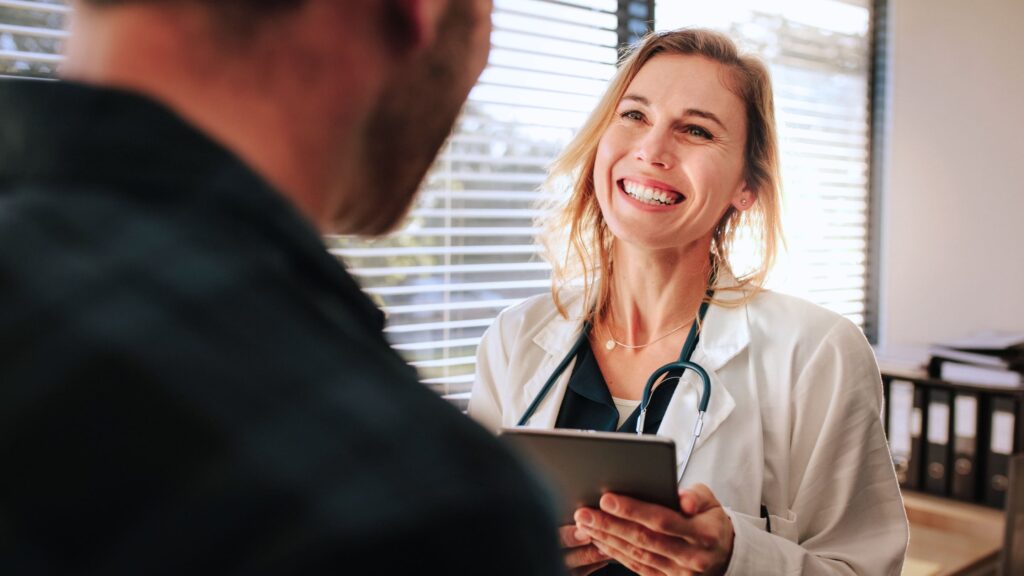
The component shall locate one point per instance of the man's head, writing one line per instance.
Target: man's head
(342, 105)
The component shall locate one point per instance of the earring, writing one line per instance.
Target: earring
(743, 202)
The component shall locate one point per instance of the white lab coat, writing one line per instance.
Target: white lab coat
(794, 422)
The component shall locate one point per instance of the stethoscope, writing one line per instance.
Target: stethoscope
(682, 364)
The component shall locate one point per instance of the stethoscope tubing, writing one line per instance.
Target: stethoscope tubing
(683, 364)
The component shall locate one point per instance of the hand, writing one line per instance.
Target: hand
(581, 556)
(652, 540)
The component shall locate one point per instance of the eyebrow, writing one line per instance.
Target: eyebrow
(688, 112)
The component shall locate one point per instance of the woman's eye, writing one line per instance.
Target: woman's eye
(632, 115)
(698, 132)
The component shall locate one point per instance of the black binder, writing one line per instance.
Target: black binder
(1002, 443)
(965, 446)
(937, 424)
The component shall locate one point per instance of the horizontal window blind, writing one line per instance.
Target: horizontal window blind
(819, 54)
(468, 248)
(31, 32)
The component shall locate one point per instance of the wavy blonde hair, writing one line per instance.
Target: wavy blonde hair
(576, 240)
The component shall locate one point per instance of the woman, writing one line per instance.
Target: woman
(792, 473)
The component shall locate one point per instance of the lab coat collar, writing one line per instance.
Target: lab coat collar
(725, 334)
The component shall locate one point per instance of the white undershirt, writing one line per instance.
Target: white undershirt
(625, 408)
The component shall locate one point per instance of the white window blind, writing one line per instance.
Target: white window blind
(30, 36)
(468, 249)
(819, 54)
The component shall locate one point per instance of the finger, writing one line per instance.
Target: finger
(569, 536)
(624, 550)
(655, 518)
(691, 560)
(584, 556)
(624, 558)
(587, 570)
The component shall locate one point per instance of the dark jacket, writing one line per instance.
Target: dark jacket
(190, 383)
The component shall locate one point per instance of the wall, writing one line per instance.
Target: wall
(953, 204)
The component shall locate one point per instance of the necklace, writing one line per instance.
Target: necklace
(612, 342)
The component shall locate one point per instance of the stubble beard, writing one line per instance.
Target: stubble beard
(406, 130)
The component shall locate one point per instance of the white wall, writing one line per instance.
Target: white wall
(953, 206)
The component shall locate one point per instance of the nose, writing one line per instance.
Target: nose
(655, 149)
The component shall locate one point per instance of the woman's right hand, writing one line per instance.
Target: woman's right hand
(581, 556)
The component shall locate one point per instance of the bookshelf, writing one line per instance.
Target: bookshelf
(953, 445)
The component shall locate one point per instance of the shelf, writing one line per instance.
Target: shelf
(948, 537)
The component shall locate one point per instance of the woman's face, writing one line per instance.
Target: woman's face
(671, 161)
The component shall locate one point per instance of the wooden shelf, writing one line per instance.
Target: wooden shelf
(948, 537)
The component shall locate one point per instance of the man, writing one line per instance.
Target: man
(189, 383)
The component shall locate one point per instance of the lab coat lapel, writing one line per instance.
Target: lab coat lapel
(724, 335)
(556, 339)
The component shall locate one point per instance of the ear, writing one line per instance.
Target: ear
(419, 20)
(744, 197)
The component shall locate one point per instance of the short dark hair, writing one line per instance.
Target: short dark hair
(254, 4)
(237, 18)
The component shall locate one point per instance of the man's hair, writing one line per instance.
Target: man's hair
(254, 4)
(238, 19)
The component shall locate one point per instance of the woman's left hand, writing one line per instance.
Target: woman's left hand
(653, 540)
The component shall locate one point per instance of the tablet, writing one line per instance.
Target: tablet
(580, 465)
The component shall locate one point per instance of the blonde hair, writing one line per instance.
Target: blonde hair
(588, 252)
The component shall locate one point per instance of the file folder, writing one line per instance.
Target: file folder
(1002, 436)
(900, 412)
(965, 446)
(937, 473)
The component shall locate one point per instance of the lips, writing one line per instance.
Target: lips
(648, 194)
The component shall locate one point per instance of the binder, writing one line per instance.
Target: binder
(917, 444)
(900, 417)
(1002, 435)
(937, 473)
(965, 446)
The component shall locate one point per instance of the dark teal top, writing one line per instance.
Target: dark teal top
(588, 404)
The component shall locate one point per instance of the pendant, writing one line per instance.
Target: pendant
(609, 345)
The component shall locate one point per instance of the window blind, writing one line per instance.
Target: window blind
(468, 248)
(30, 36)
(820, 56)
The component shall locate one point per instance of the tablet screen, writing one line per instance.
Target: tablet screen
(579, 466)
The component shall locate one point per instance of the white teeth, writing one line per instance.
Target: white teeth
(646, 194)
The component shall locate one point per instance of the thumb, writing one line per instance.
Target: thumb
(697, 499)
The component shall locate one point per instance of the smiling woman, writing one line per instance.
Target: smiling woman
(727, 95)
(679, 159)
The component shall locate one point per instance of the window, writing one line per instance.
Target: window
(30, 36)
(468, 249)
(819, 53)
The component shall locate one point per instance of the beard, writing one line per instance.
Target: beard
(407, 128)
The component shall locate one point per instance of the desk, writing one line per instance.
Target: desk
(948, 537)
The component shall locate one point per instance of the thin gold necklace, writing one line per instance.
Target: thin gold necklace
(612, 342)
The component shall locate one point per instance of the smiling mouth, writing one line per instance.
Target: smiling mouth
(649, 195)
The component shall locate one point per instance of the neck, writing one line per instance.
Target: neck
(238, 96)
(655, 292)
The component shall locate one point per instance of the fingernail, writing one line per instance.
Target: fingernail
(584, 517)
(581, 536)
(610, 504)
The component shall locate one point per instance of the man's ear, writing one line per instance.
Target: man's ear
(419, 20)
